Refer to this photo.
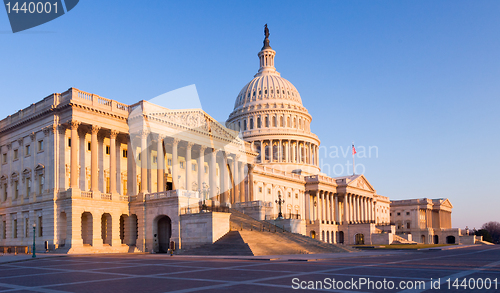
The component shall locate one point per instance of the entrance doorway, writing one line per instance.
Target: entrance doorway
(450, 239)
(360, 239)
(164, 232)
(436, 239)
(313, 234)
(422, 239)
(340, 238)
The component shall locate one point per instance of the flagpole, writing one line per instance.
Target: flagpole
(353, 165)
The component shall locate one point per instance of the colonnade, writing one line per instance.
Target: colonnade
(328, 207)
(287, 151)
(230, 184)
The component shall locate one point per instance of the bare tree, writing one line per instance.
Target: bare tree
(493, 229)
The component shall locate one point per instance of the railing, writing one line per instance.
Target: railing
(286, 216)
(256, 203)
(172, 193)
(106, 196)
(203, 209)
(86, 194)
(124, 198)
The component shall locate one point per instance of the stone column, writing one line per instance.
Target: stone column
(189, 171)
(144, 162)
(236, 178)
(175, 165)
(307, 209)
(225, 180)
(201, 169)
(131, 169)
(280, 151)
(351, 208)
(241, 179)
(318, 206)
(363, 209)
(212, 174)
(309, 159)
(74, 155)
(337, 219)
(160, 164)
(112, 162)
(250, 195)
(271, 155)
(324, 202)
(94, 176)
(345, 218)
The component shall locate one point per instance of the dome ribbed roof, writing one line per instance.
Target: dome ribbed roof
(270, 88)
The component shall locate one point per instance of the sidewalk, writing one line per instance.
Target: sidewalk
(10, 257)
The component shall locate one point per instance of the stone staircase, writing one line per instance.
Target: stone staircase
(249, 236)
(400, 240)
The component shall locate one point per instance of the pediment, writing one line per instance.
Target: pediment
(446, 202)
(39, 167)
(362, 183)
(196, 120)
(27, 171)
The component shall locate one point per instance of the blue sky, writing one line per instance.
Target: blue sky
(418, 80)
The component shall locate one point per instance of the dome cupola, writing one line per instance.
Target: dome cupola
(269, 113)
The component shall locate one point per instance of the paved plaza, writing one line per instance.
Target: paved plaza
(161, 273)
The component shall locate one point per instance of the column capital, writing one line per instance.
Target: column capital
(73, 124)
(49, 129)
(94, 129)
(202, 148)
(32, 136)
(176, 141)
(20, 141)
(159, 136)
(190, 145)
(113, 133)
(144, 133)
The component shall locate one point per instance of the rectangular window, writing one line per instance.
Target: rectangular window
(4, 158)
(206, 169)
(4, 230)
(27, 150)
(296, 195)
(407, 213)
(40, 226)
(407, 225)
(16, 154)
(124, 153)
(40, 184)
(399, 214)
(289, 194)
(108, 150)
(155, 159)
(40, 145)
(193, 167)
(139, 157)
(26, 227)
(14, 228)
(28, 187)
(169, 162)
(260, 189)
(125, 187)
(89, 146)
(182, 164)
(107, 184)
(69, 142)
(16, 189)
(269, 191)
(5, 191)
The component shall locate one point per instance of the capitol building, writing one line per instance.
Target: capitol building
(88, 174)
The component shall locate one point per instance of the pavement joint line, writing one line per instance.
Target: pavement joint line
(295, 275)
(36, 289)
(30, 275)
(454, 276)
(85, 282)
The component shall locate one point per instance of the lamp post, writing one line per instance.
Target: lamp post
(34, 230)
(280, 201)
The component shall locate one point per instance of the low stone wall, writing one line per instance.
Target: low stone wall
(382, 238)
(203, 228)
(291, 225)
(468, 239)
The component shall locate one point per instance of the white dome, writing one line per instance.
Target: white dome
(270, 88)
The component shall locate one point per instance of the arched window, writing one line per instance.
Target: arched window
(274, 121)
(267, 121)
(282, 121)
(244, 125)
(251, 123)
(288, 123)
(258, 122)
